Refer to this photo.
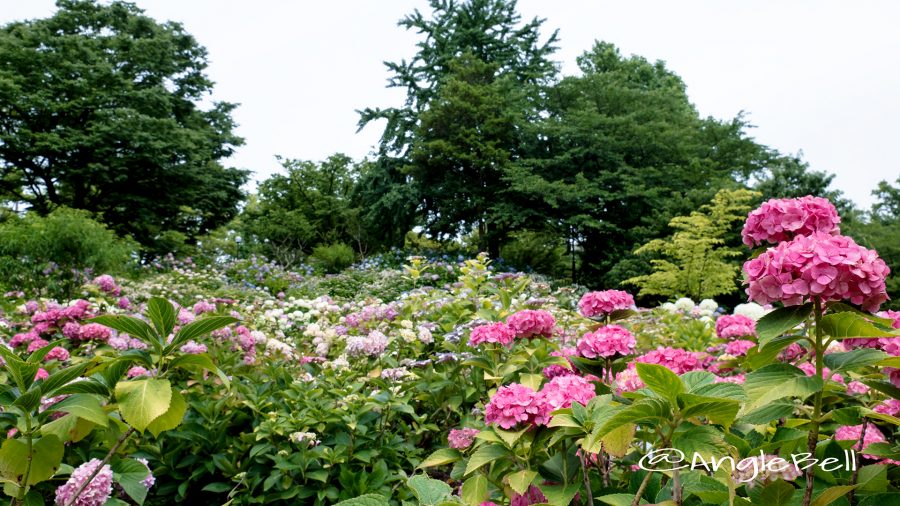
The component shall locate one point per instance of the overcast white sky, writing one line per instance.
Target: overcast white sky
(818, 76)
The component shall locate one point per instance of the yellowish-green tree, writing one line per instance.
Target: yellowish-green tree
(694, 260)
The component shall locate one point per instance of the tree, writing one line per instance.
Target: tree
(788, 176)
(879, 229)
(99, 110)
(621, 152)
(695, 261)
(478, 50)
(309, 205)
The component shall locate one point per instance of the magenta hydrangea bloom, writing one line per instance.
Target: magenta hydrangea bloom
(677, 360)
(515, 404)
(891, 315)
(852, 433)
(193, 348)
(97, 491)
(810, 370)
(888, 407)
(730, 326)
(461, 438)
(819, 266)
(739, 347)
(628, 380)
(107, 284)
(857, 388)
(783, 219)
(94, 331)
(204, 307)
(57, 353)
(605, 302)
(500, 333)
(137, 371)
(608, 341)
(37, 344)
(562, 391)
(41, 374)
(532, 323)
(532, 496)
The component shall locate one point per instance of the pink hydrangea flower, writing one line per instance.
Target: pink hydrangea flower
(562, 391)
(107, 284)
(737, 379)
(97, 491)
(555, 370)
(500, 333)
(857, 388)
(42, 374)
(532, 496)
(204, 307)
(123, 303)
(37, 344)
(738, 347)
(136, 371)
(852, 433)
(677, 360)
(791, 352)
(461, 438)
(605, 302)
(150, 480)
(628, 380)
(72, 330)
(818, 266)
(731, 326)
(515, 404)
(888, 407)
(193, 348)
(20, 339)
(57, 353)
(891, 315)
(608, 341)
(94, 331)
(532, 323)
(783, 219)
(810, 370)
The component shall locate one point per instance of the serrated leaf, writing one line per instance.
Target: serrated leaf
(475, 490)
(171, 418)
(832, 494)
(768, 413)
(442, 457)
(873, 478)
(777, 381)
(197, 328)
(142, 401)
(560, 495)
(853, 360)
(779, 321)
(46, 456)
(428, 490)
(521, 480)
(161, 313)
(365, 500)
(199, 361)
(645, 410)
(849, 325)
(129, 474)
(83, 406)
(661, 380)
(484, 455)
(130, 325)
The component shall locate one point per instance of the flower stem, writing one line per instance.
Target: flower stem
(859, 447)
(29, 437)
(817, 404)
(105, 461)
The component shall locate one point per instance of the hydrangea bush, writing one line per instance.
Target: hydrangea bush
(452, 383)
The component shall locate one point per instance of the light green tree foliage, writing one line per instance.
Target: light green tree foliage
(880, 230)
(694, 261)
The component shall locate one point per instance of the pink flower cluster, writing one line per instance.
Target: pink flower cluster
(107, 284)
(605, 302)
(730, 326)
(783, 219)
(532, 323)
(891, 315)
(888, 407)
(555, 370)
(500, 333)
(606, 342)
(810, 370)
(193, 348)
(562, 391)
(738, 347)
(628, 380)
(514, 404)
(532, 496)
(371, 345)
(852, 433)
(204, 307)
(461, 438)
(818, 266)
(677, 360)
(97, 491)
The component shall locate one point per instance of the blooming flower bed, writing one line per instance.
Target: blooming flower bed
(467, 387)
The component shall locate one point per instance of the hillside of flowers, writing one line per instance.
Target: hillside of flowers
(449, 381)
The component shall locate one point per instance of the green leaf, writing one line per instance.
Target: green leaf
(853, 360)
(769, 412)
(39, 354)
(781, 320)
(197, 328)
(757, 358)
(890, 362)
(365, 500)
(832, 494)
(143, 401)
(703, 440)
(510, 437)
(777, 493)
(883, 387)
(171, 418)
(162, 314)
(848, 325)
(560, 495)
(83, 406)
(83, 387)
(777, 381)
(46, 456)
(62, 377)
(129, 474)
(661, 380)
(873, 478)
(717, 410)
(129, 325)
(484, 455)
(199, 361)
(532, 381)
(879, 416)
(217, 487)
(730, 391)
(441, 457)
(648, 409)
(618, 499)
(68, 428)
(21, 372)
(428, 490)
(475, 490)
(697, 379)
(521, 480)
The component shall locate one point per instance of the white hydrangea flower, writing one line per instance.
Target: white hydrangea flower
(709, 305)
(750, 310)
(684, 304)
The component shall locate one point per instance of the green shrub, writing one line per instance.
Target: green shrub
(334, 257)
(53, 255)
(531, 251)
